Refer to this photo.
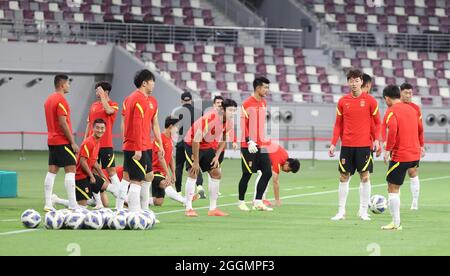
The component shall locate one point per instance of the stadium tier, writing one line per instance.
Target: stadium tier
(170, 12)
(211, 69)
(392, 16)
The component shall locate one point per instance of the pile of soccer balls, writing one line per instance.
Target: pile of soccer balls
(85, 219)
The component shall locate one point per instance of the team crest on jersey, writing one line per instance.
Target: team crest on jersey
(343, 161)
(151, 106)
(86, 190)
(362, 103)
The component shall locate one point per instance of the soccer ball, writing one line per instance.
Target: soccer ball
(117, 222)
(151, 218)
(378, 204)
(107, 217)
(137, 221)
(65, 213)
(94, 220)
(75, 221)
(54, 220)
(30, 218)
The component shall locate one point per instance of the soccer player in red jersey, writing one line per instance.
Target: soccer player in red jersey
(355, 114)
(104, 108)
(403, 149)
(280, 162)
(164, 166)
(254, 153)
(61, 142)
(136, 109)
(202, 155)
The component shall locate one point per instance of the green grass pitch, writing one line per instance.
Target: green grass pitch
(301, 226)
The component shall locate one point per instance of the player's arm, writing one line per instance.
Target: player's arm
(337, 129)
(276, 187)
(163, 163)
(110, 110)
(86, 169)
(62, 121)
(157, 133)
(391, 123)
(98, 170)
(172, 169)
(138, 126)
(376, 130)
(198, 137)
(88, 129)
(216, 163)
(421, 135)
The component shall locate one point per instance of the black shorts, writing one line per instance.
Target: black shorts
(397, 171)
(149, 161)
(221, 157)
(84, 189)
(61, 156)
(354, 159)
(157, 191)
(107, 158)
(206, 158)
(253, 162)
(136, 169)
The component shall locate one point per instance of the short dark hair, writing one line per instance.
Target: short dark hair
(59, 78)
(99, 121)
(260, 81)
(170, 121)
(105, 85)
(141, 76)
(294, 164)
(218, 98)
(366, 79)
(405, 86)
(391, 91)
(354, 74)
(228, 103)
(186, 96)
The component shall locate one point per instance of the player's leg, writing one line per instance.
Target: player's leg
(49, 182)
(125, 183)
(165, 188)
(265, 165)
(108, 162)
(364, 165)
(180, 160)
(59, 201)
(395, 178)
(146, 200)
(66, 158)
(136, 171)
(157, 190)
(190, 182)
(247, 166)
(213, 186)
(414, 186)
(83, 193)
(346, 170)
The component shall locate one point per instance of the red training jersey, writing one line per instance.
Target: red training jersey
(56, 105)
(278, 156)
(402, 123)
(253, 122)
(89, 149)
(98, 112)
(148, 121)
(212, 128)
(168, 149)
(135, 108)
(119, 172)
(354, 117)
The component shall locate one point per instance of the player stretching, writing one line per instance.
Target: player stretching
(254, 151)
(61, 143)
(104, 108)
(355, 114)
(201, 154)
(402, 148)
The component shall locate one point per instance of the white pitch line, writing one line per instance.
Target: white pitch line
(8, 220)
(234, 204)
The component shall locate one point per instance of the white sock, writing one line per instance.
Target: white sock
(48, 188)
(213, 185)
(91, 202)
(343, 194)
(60, 201)
(365, 190)
(241, 202)
(123, 189)
(151, 201)
(134, 198)
(258, 177)
(115, 180)
(265, 192)
(257, 202)
(69, 183)
(98, 200)
(394, 207)
(145, 195)
(189, 191)
(415, 189)
(171, 193)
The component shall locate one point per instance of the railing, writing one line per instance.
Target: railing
(239, 13)
(52, 31)
(424, 42)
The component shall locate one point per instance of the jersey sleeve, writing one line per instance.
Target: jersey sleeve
(375, 112)
(338, 123)
(62, 109)
(391, 123)
(138, 122)
(86, 150)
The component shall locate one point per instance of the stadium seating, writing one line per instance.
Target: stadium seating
(171, 12)
(392, 16)
(429, 72)
(209, 69)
